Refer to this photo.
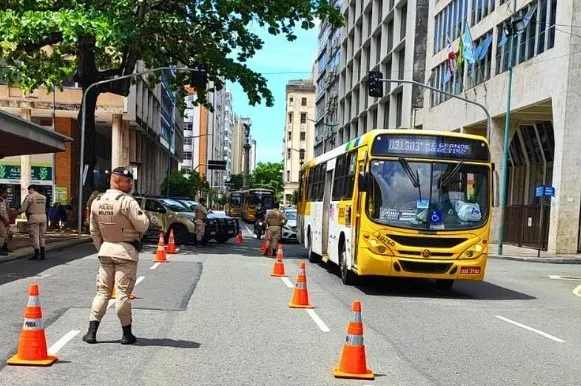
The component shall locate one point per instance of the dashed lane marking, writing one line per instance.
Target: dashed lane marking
(59, 344)
(577, 291)
(549, 336)
(317, 320)
(112, 301)
(288, 283)
(155, 266)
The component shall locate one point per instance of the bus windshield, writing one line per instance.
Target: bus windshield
(235, 200)
(265, 199)
(428, 195)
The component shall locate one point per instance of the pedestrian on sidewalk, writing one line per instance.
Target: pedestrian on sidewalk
(34, 205)
(200, 221)
(4, 223)
(117, 224)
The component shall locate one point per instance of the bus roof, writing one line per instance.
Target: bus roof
(368, 137)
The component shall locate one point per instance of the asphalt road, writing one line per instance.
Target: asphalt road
(215, 316)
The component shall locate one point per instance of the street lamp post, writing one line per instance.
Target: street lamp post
(83, 125)
(246, 176)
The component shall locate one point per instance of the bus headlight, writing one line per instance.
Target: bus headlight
(376, 246)
(473, 252)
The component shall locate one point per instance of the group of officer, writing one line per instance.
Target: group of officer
(34, 205)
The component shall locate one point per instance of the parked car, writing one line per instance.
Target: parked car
(289, 230)
(166, 214)
(219, 226)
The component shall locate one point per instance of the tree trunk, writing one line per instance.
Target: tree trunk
(90, 139)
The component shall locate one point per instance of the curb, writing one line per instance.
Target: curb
(546, 260)
(27, 251)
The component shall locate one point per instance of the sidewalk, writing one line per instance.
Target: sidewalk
(512, 252)
(21, 246)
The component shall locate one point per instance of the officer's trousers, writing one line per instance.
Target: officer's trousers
(36, 234)
(274, 233)
(200, 229)
(3, 234)
(120, 273)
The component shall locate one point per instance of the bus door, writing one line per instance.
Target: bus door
(358, 207)
(326, 204)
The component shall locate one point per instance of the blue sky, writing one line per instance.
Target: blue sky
(279, 61)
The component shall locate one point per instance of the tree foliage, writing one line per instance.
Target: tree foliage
(237, 180)
(268, 175)
(45, 42)
(184, 183)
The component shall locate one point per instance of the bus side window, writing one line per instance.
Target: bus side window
(350, 175)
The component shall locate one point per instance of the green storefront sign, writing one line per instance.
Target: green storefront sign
(12, 172)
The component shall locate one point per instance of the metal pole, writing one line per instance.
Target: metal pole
(83, 114)
(488, 118)
(53, 154)
(504, 178)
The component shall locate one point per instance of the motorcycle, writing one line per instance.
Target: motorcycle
(260, 225)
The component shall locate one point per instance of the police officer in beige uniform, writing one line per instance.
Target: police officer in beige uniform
(200, 220)
(117, 224)
(34, 205)
(4, 223)
(275, 219)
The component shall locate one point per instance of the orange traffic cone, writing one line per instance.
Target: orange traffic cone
(301, 294)
(353, 363)
(32, 349)
(239, 238)
(171, 245)
(278, 269)
(114, 294)
(160, 255)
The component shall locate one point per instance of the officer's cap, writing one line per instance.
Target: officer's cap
(123, 172)
(32, 186)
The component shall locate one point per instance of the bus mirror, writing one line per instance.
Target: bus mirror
(362, 182)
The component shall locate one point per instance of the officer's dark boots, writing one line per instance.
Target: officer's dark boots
(5, 247)
(42, 253)
(91, 335)
(36, 255)
(128, 337)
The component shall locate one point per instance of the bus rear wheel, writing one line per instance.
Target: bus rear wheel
(347, 276)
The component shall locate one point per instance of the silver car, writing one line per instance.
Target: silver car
(289, 231)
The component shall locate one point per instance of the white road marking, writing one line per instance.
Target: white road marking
(155, 266)
(248, 229)
(530, 329)
(287, 282)
(568, 278)
(577, 291)
(55, 348)
(317, 320)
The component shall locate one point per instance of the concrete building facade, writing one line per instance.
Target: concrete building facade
(299, 132)
(237, 146)
(389, 36)
(543, 129)
(326, 75)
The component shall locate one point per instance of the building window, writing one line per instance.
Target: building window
(482, 68)
(288, 176)
(303, 136)
(188, 141)
(303, 101)
(445, 79)
(303, 117)
(288, 153)
(290, 135)
(187, 156)
(290, 117)
(291, 101)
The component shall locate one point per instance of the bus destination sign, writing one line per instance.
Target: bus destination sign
(430, 146)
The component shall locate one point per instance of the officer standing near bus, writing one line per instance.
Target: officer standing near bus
(4, 223)
(34, 205)
(200, 220)
(274, 220)
(117, 224)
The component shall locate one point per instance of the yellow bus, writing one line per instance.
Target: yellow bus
(255, 198)
(405, 203)
(233, 206)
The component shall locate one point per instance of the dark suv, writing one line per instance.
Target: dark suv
(219, 226)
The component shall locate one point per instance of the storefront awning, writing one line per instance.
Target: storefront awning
(21, 137)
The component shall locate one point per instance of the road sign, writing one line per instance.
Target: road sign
(539, 191)
(216, 165)
(549, 191)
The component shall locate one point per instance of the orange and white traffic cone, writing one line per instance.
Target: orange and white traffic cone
(160, 255)
(239, 238)
(171, 244)
(353, 363)
(278, 269)
(32, 349)
(301, 294)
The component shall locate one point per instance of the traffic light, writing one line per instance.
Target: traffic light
(374, 84)
(199, 78)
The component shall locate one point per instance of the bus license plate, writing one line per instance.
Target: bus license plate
(470, 270)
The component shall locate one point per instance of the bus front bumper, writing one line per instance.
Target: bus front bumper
(370, 263)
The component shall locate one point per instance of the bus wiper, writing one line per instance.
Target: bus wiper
(414, 178)
(447, 177)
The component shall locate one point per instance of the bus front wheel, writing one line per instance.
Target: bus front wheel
(347, 276)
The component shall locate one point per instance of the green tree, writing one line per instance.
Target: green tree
(95, 40)
(238, 180)
(268, 175)
(295, 197)
(183, 183)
